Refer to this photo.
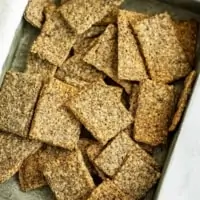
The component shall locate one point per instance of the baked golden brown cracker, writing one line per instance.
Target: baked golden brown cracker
(136, 177)
(94, 31)
(186, 32)
(82, 14)
(107, 190)
(55, 40)
(101, 111)
(166, 61)
(104, 56)
(18, 97)
(36, 65)
(30, 176)
(182, 103)
(52, 122)
(68, 177)
(13, 150)
(130, 62)
(155, 105)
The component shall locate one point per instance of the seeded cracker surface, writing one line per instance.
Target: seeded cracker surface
(130, 62)
(104, 56)
(34, 12)
(154, 111)
(107, 190)
(55, 40)
(69, 178)
(30, 176)
(136, 177)
(101, 111)
(189, 81)
(167, 61)
(16, 149)
(18, 96)
(36, 65)
(52, 122)
(82, 14)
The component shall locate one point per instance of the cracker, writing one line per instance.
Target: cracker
(13, 150)
(30, 176)
(82, 14)
(167, 61)
(136, 177)
(35, 65)
(101, 111)
(182, 103)
(52, 122)
(55, 40)
(94, 31)
(68, 177)
(107, 190)
(18, 97)
(104, 56)
(186, 32)
(130, 62)
(113, 156)
(34, 12)
(155, 105)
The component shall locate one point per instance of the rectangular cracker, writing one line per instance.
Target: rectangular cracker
(68, 177)
(104, 56)
(18, 97)
(36, 65)
(182, 103)
(167, 61)
(55, 40)
(82, 14)
(52, 122)
(30, 176)
(155, 105)
(101, 111)
(13, 150)
(107, 190)
(130, 62)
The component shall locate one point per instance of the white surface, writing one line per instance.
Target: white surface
(183, 174)
(11, 12)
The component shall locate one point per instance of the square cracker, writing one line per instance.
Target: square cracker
(68, 177)
(35, 65)
(30, 176)
(155, 105)
(130, 62)
(167, 61)
(55, 40)
(104, 56)
(182, 103)
(113, 156)
(18, 97)
(82, 14)
(101, 111)
(107, 190)
(13, 151)
(52, 122)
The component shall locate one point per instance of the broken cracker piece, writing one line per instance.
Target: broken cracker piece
(101, 111)
(189, 81)
(18, 97)
(155, 105)
(13, 150)
(68, 177)
(104, 56)
(52, 122)
(55, 40)
(107, 190)
(130, 62)
(136, 177)
(167, 61)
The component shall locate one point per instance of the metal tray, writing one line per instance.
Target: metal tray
(179, 179)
